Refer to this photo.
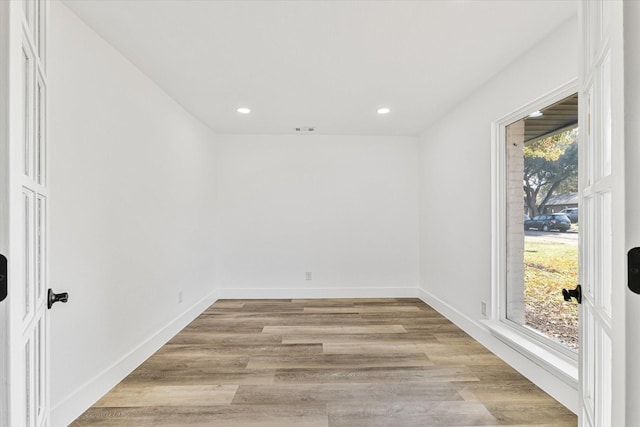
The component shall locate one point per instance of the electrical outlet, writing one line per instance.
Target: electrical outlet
(308, 275)
(179, 297)
(483, 308)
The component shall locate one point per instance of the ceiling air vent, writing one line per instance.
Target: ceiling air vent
(305, 129)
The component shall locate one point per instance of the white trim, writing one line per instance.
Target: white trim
(563, 367)
(72, 406)
(547, 381)
(525, 344)
(538, 339)
(293, 293)
(557, 94)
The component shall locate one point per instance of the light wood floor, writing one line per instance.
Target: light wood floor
(324, 363)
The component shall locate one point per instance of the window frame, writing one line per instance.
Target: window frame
(552, 356)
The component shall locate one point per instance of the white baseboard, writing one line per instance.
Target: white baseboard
(314, 293)
(555, 387)
(72, 406)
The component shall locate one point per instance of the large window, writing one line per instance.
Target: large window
(538, 223)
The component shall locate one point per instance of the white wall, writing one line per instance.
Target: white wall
(132, 215)
(455, 165)
(139, 188)
(342, 207)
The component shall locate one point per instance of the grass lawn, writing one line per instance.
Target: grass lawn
(549, 267)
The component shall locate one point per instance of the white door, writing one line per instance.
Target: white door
(632, 201)
(602, 216)
(24, 202)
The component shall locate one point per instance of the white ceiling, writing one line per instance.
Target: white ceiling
(327, 64)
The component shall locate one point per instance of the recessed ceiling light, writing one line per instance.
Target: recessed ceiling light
(243, 110)
(536, 114)
(384, 110)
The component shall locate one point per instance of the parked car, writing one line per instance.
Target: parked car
(572, 213)
(547, 222)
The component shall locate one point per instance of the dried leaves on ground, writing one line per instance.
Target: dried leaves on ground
(549, 267)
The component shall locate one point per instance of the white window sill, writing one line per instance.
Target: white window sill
(559, 365)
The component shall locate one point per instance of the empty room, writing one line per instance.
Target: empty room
(319, 213)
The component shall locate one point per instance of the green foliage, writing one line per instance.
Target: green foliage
(552, 147)
(550, 165)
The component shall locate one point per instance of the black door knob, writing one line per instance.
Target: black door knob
(3, 277)
(633, 262)
(53, 298)
(573, 293)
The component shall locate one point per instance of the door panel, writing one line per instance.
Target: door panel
(632, 201)
(602, 223)
(23, 214)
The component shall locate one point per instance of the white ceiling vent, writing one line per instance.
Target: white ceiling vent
(305, 129)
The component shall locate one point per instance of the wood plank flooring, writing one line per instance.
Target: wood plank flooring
(324, 363)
